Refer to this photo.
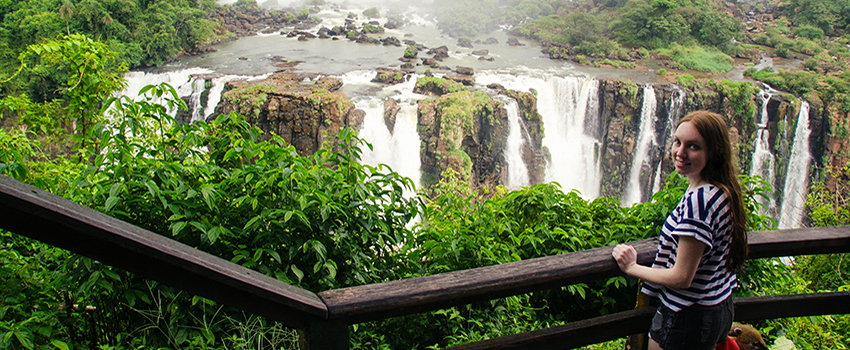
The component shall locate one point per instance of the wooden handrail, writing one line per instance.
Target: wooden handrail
(415, 295)
(35, 213)
(32, 212)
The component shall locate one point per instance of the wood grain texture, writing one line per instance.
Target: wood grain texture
(414, 295)
(32, 212)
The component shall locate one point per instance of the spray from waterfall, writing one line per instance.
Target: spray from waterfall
(645, 143)
(796, 185)
(517, 170)
(763, 159)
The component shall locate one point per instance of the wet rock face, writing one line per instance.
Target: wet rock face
(308, 117)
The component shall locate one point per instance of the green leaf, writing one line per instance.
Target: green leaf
(208, 193)
(60, 344)
(176, 227)
(298, 273)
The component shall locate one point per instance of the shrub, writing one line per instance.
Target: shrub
(700, 58)
(809, 32)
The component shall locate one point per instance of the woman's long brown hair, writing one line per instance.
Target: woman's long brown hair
(721, 171)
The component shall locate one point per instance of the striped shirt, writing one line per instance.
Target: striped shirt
(703, 213)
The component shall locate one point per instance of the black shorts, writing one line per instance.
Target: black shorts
(696, 327)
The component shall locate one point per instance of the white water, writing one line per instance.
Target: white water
(517, 170)
(763, 159)
(565, 104)
(646, 140)
(400, 149)
(796, 178)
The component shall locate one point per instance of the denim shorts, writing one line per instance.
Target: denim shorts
(696, 327)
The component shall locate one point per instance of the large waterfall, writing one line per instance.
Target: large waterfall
(517, 170)
(566, 105)
(763, 159)
(796, 178)
(398, 149)
(645, 144)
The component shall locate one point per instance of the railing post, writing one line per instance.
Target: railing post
(639, 341)
(324, 335)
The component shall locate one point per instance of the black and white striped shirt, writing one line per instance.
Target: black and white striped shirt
(705, 214)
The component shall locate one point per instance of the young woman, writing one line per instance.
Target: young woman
(702, 244)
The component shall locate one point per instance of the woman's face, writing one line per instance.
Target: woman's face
(689, 152)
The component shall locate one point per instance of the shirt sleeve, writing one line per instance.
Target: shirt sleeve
(696, 215)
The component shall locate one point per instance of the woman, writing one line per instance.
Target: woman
(702, 244)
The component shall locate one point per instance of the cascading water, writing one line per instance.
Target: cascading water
(565, 104)
(646, 140)
(398, 149)
(517, 170)
(677, 101)
(763, 159)
(796, 185)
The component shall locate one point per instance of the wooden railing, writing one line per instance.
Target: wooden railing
(325, 316)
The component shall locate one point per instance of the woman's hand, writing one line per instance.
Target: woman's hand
(626, 256)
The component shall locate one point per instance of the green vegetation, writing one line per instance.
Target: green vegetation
(370, 29)
(699, 58)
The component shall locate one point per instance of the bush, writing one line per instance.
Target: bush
(700, 58)
(809, 32)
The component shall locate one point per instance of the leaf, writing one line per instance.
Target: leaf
(177, 227)
(783, 343)
(60, 344)
(208, 193)
(111, 202)
(298, 273)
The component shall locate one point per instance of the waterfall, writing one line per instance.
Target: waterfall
(677, 100)
(198, 87)
(763, 159)
(399, 149)
(517, 170)
(796, 185)
(646, 140)
(566, 105)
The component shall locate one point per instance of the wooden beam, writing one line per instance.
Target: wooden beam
(32, 212)
(798, 305)
(800, 241)
(622, 324)
(414, 295)
(571, 335)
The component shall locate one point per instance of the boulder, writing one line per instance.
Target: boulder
(464, 79)
(490, 41)
(480, 52)
(464, 42)
(389, 76)
(465, 70)
(391, 40)
(514, 42)
(439, 53)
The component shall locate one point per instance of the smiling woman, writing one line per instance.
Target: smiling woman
(703, 241)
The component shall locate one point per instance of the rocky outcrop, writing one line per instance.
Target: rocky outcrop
(470, 143)
(308, 117)
(390, 76)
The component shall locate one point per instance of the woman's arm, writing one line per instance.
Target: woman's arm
(679, 276)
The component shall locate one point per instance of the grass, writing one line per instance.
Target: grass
(699, 58)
